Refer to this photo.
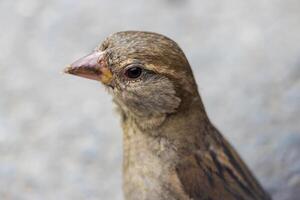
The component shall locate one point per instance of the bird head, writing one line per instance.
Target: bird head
(147, 73)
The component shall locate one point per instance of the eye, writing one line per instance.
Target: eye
(134, 72)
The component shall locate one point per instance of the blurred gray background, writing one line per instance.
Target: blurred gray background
(59, 136)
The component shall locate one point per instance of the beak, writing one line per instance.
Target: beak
(92, 66)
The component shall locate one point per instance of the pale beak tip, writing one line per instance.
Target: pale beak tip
(67, 69)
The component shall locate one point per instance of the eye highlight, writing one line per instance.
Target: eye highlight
(133, 72)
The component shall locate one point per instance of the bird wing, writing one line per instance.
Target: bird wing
(218, 173)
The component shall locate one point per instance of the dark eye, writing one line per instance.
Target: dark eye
(133, 72)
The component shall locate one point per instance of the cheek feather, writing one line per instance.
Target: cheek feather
(154, 96)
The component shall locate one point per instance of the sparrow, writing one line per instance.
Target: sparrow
(171, 150)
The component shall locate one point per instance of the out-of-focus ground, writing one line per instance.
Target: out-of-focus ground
(60, 139)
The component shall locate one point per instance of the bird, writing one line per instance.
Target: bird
(171, 149)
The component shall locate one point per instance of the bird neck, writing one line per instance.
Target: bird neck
(184, 128)
(154, 152)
